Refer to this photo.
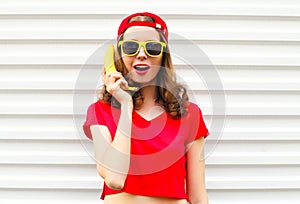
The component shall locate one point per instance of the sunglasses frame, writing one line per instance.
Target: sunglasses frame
(140, 43)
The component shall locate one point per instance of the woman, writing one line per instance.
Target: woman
(154, 136)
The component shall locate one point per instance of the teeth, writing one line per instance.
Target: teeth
(141, 67)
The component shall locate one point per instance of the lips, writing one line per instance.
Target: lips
(141, 68)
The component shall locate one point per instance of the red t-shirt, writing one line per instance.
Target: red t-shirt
(158, 146)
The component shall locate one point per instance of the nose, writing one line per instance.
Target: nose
(141, 54)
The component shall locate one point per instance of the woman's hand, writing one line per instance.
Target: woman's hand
(115, 83)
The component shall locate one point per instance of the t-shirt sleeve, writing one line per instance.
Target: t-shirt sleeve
(197, 127)
(93, 117)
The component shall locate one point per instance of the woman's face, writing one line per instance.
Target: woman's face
(141, 67)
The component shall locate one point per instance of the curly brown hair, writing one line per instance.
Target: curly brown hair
(171, 95)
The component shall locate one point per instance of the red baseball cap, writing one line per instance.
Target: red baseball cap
(158, 23)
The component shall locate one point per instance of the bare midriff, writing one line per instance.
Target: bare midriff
(126, 198)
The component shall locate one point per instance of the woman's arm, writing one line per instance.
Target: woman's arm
(196, 189)
(117, 154)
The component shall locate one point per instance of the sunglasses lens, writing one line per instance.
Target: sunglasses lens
(153, 48)
(130, 48)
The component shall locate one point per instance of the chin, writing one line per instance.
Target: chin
(142, 82)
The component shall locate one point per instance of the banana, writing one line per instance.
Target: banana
(109, 63)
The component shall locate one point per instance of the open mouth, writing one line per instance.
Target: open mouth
(141, 68)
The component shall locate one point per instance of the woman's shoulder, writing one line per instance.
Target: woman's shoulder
(192, 107)
(195, 118)
(193, 112)
(99, 108)
(99, 104)
(96, 113)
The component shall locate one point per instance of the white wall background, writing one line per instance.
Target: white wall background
(255, 45)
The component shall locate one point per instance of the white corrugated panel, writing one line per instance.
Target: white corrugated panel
(255, 46)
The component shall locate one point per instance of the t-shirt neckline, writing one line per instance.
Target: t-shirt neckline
(152, 119)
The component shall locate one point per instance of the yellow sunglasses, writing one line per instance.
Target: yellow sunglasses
(132, 47)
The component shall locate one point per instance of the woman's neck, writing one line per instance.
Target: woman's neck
(150, 108)
(150, 94)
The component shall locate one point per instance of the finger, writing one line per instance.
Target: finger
(114, 76)
(110, 88)
(114, 86)
(122, 83)
(113, 73)
(119, 82)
